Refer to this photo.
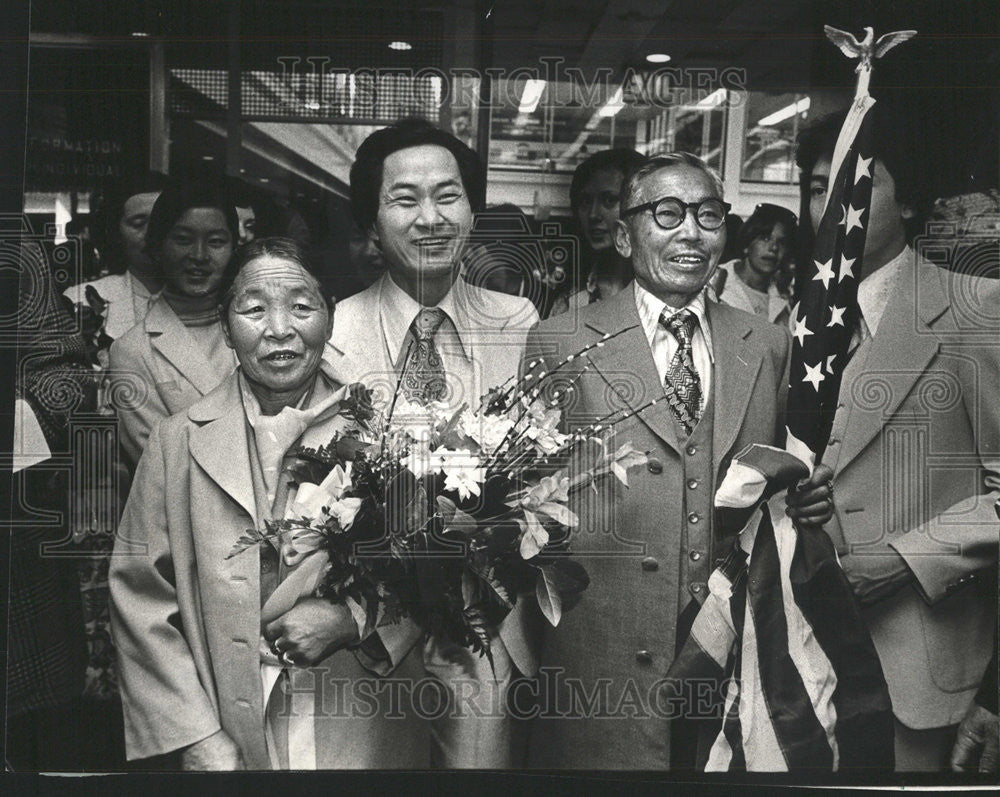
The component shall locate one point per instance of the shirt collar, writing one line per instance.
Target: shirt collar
(875, 289)
(650, 308)
(397, 310)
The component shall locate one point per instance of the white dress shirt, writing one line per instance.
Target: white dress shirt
(664, 345)
(875, 289)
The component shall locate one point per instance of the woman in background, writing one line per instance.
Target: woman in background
(120, 238)
(758, 281)
(178, 353)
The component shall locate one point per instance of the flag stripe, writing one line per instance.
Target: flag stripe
(864, 712)
(799, 732)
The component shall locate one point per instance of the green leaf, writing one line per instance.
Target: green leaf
(249, 539)
(547, 595)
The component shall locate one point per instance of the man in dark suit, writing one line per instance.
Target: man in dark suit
(719, 378)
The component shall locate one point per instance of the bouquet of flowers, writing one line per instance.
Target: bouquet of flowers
(443, 516)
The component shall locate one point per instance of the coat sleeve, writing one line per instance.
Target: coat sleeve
(165, 704)
(950, 549)
(134, 395)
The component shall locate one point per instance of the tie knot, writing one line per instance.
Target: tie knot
(681, 324)
(426, 324)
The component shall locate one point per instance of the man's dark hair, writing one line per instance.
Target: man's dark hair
(892, 146)
(622, 160)
(278, 247)
(366, 173)
(180, 197)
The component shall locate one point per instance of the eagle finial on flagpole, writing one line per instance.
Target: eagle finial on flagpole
(866, 50)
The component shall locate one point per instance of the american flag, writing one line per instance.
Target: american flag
(780, 626)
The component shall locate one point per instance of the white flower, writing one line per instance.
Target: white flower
(310, 499)
(541, 426)
(338, 480)
(345, 511)
(487, 430)
(463, 472)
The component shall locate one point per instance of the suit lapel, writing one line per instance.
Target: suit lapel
(356, 349)
(219, 443)
(734, 374)
(898, 356)
(169, 336)
(628, 357)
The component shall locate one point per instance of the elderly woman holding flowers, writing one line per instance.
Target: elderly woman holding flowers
(224, 655)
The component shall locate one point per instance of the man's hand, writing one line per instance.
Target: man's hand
(978, 739)
(810, 504)
(311, 630)
(876, 574)
(217, 752)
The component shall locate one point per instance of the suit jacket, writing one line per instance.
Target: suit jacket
(916, 452)
(186, 619)
(615, 647)
(497, 326)
(156, 369)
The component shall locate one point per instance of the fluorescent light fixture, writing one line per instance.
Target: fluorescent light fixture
(714, 99)
(139, 34)
(531, 95)
(614, 105)
(657, 58)
(400, 46)
(208, 157)
(785, 113)
(265, 179)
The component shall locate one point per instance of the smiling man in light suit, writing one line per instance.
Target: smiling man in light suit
(718, 376)
(414, 190)
(915, 448)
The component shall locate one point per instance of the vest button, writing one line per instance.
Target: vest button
(692, 450)
(695, 555)
(650, 563)
(697, 588)
(644, 657)
(654, 466)
(694, 517)
(692, 484)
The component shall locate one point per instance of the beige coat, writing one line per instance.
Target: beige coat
(186, 619)
(157, 369)
(916, 452)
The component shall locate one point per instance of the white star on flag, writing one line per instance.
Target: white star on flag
(824, 272)
(814, 375)
(837, 316)
(861, 170)
(829, 363)
(853, 219)
(801, 330)
(846, 268)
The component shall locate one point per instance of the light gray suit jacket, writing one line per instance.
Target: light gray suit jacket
(916, 452)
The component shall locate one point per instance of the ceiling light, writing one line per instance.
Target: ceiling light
(785, 113)
(657, 58)
(265, 179)
(312, 105)
(531, 95)
(208, 157)
(717, 97)
(400, 46)
(613, 105)
(139, 34)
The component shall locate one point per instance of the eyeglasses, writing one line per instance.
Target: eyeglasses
(669, 212)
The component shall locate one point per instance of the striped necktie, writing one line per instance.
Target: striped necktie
(681, 382)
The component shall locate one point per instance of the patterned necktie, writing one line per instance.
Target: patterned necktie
(682, 383)
(424, 379)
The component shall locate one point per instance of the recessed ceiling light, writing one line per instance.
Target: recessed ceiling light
(400, 46)
(657, 58)
(208, 157)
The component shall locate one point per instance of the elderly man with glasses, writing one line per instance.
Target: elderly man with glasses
(718, 378)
